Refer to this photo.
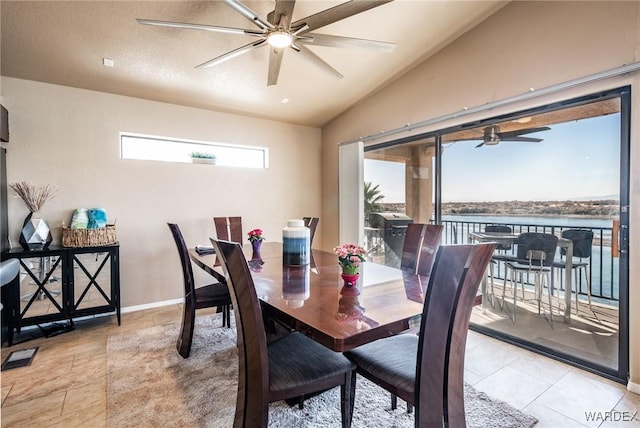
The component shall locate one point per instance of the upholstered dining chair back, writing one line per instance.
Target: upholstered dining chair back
(411, 247)
(453, 285)
(429, 371)
(429, 247)
(290, 367)
(208, 296)
(229, 228)
(312, 224)
(252, 341)
(185, 263)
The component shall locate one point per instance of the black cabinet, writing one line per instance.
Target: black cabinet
(59, 283)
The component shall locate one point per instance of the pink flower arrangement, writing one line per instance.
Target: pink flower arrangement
(349, 257)
(255, 235)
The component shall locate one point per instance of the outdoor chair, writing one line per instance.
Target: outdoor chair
(535, 255)
(290, 367)
(428, 371)
(229, 228)
(208, 296)
(582, 240)
(500, 255)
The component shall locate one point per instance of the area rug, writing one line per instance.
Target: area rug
(150, 385)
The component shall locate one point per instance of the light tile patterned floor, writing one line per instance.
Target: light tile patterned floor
(65, 386)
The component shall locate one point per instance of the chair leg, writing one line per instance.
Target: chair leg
(409, 408)
(586, 278)
(394, 401)
(347, 395)
(491, 300)
(186, 331)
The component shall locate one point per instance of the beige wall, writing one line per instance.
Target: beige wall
(524, 45)
(70, 138)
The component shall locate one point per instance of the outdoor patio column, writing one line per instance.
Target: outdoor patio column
(419, 183)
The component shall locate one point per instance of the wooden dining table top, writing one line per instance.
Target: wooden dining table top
(312, 299)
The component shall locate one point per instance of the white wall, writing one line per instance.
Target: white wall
(69, 138)
(524, 45)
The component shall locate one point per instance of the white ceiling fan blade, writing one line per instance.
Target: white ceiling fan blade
(203, 27)
(249, 14)
(282, 14)
(275, 61)
(308, 55)
(232, 54)
(349, 42)
(337, 13)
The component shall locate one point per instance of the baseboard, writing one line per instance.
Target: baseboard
(633, 387)
(151, 305)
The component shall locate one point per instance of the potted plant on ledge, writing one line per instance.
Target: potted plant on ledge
(201, 157)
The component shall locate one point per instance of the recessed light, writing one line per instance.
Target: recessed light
(285, 100)
(107, 62)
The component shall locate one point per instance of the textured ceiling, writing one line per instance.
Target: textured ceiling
(64, 42)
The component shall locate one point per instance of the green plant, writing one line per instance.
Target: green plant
(202, 155)
(372, 198)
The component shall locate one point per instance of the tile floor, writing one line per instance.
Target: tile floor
(65, 386)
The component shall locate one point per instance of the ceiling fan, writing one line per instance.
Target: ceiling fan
(279, 33)
(493, 136)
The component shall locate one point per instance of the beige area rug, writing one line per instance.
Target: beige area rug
(150, 385)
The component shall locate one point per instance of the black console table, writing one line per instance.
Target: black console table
(61, 283)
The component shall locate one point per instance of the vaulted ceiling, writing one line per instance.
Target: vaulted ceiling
(65, 42)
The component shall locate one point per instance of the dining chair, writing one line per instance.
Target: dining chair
(582, 240)
(291, 367)
(428, 248)
(312, 224)
(208, 296)
(426, 370)
(229, 228)
(500, 255)
(411, 247)
(535, 253)
(431, 235)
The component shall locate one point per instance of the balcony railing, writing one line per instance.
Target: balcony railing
(603, 264)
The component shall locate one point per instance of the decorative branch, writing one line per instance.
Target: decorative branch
(34, 196)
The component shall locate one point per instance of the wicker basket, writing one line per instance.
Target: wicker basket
(89, 237)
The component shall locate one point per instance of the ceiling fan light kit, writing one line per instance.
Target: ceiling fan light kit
(279, 32)
(280, 39)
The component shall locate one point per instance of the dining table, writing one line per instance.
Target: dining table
(314, 300)
(510, 239)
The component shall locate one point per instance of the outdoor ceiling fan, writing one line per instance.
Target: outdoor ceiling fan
(493, 136)
(279, 33)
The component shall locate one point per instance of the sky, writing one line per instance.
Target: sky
(576, 160)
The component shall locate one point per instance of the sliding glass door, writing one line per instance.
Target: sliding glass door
(552, 170)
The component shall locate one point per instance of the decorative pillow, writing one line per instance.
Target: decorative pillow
(80, 219)
(97, 218)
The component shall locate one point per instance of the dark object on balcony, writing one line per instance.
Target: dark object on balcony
(582, 243)
(535, 254)
(394, 230)
(208, 296)
(429, 371)
(290, 367)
